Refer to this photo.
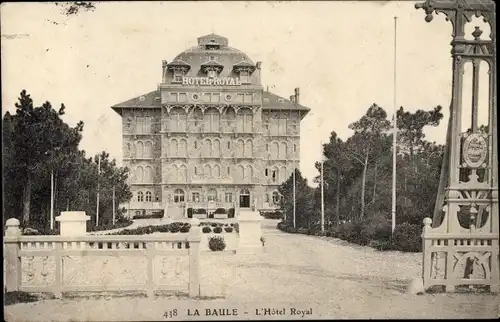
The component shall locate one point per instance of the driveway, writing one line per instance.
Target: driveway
(317, 277)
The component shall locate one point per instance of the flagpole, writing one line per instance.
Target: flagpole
(52, 199)
(114, 206)
(394, 136)
(98, 174)
(294, 198)
(322, 196)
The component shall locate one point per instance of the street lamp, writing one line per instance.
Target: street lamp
(322, 193)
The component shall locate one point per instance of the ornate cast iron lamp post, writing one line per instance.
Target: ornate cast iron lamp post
(469, 180)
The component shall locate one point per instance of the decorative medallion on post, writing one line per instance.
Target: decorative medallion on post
(465, 225)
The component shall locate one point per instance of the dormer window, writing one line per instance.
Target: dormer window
(179, 69)
(212, 73)
(245, 77)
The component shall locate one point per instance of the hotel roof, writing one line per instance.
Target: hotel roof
(270, 101)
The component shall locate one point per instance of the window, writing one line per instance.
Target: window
(266, 198)
(295, 148)
(178, 195)
(229, 144)
(274, 176)
(195, 197)
(228, 171)
(157, 198)
(276, 197)
(182, 97)
(143, 124)
(211, 73)
(247, 98)
(266, 100)
(140, 196)
(266, 172)
(215, 98)
(148, 196)
(212, 195)
(282, 126)
(178, 74)
(244, 77)
(228, 197)
(195, 144)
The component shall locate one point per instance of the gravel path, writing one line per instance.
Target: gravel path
(333, 278)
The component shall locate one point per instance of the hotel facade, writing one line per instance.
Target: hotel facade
(210, 136)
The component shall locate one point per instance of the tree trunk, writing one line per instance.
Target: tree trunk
(374, 183)
(363, 184)
(27, 200)
(337, 205)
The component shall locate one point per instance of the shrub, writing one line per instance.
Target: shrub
(220, 211)
(214, 224)
(174, 228)
(272, 214)
(237, 228)
(218, 230)
(216, 243)
(228, 229)
(302, 230)
(158, 214)
(407, 238)
(206, 229)
(200, 211)
(184, 229)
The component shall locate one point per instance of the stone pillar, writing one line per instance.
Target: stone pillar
(12, 261)
(194, 258)
(250, 232)
(73, 223)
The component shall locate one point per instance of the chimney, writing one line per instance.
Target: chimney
(292, 98)
(297, 95)
(163, 70)
(259, 65)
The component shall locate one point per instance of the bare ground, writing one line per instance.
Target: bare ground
(333, 278)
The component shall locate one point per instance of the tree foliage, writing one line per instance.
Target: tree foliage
(38, 145)
(358, 174)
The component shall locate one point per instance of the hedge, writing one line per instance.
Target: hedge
(374, 232)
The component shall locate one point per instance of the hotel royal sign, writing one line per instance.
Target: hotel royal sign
(211, 81)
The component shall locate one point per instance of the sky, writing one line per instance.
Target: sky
(339, 53)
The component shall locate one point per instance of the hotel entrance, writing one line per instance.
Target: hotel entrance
(244, 198)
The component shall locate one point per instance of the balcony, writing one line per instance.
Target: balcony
(145, 205)
(202, 179)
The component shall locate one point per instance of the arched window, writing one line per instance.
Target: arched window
(139, 146)
(148, 149)
(178, 195)
(240, 173)
(140, 196)
(248, 148)
(240, 148)
(282, 176)
(216, 171)
(139, 174)
(148, 174)
(274, 174)
(216, 148)
(283, 150)
(276, 197)
(207, 148)
(182, 152)
(207, 170)
(274, 150)
(148, 196)
(212, 195)
(249, 173)
(182, 173)
(244, 192)
(174, 146)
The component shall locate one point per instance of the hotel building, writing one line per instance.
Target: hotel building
(210, 136)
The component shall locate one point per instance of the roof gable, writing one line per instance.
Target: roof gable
(272, 101)
(149, 100)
